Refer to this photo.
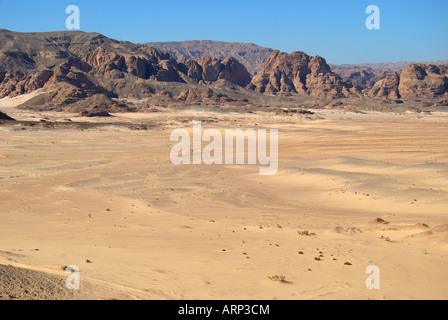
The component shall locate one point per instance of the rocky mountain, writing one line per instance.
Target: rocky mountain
(74, 66)
(82, 71)
(423, 81)
(92, 74)
(364, 77)
(250, 55)
(387, 87)
(388, 66)
(302, 74)
(417, 81)
(88, 72)
(210, 69)
(367, 74)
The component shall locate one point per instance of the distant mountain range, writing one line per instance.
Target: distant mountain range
(90, 73)
(250, 55)
(253, 57)
(391, 66)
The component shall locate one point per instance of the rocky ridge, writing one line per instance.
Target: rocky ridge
(417, 81)
(89, 73)
(250, 55)
(302, 74)
(208, 69)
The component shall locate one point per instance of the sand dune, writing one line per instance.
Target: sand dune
(437, 235)
(150, 229)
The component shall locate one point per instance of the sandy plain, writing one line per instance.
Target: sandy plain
(108, 200)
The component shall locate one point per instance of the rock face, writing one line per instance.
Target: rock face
(420, 80)
(416, 81)
(250, 55)
(211, 69)
(148, 64)
(364, 77)
(442, 102)
(302, 74)
(89, 73)
(387, 87)
(75, 66)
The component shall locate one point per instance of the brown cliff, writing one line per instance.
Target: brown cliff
(212, 69)
(387, 87)
(423, 81)
(417, 81)
(302, 74)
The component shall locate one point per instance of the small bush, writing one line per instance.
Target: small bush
(305, 233)
(278, 278)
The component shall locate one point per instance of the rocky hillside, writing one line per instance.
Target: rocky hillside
(388, 66)
(417, 81)
(88, 70)
(250, 55)
(387, 87)
(208, 69)
(302, 74)
(253, 57)
(364, 77)
(91, 74)
(74, 66)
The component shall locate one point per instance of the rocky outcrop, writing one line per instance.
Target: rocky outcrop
(15, 85)
(362, 76)
(443, 101)
(80, 71)
(97, 105)
(415, 82)
(100, 64)
(88, 72)
(149, 64)
(387, 87)
(423, 81)
(302, 74)
(72, 66)
(387, 66)
(282, 73)
(210, 69)
(248, 54)
(208, 96)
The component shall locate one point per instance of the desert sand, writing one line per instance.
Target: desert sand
(352, 190)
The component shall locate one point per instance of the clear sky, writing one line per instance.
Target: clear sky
(411, 30)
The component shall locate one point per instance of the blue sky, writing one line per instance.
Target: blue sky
(412, 30)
